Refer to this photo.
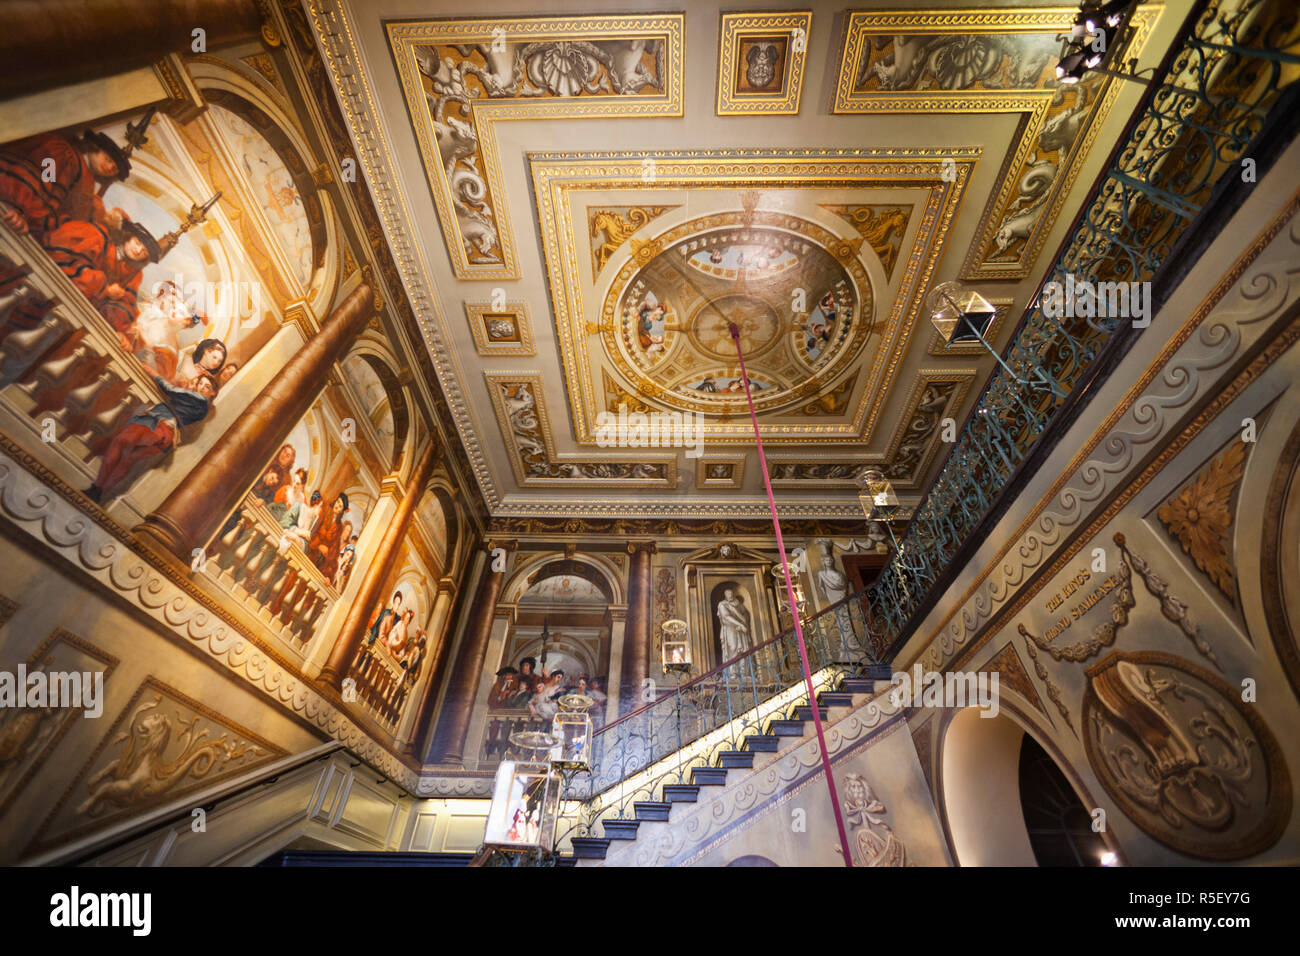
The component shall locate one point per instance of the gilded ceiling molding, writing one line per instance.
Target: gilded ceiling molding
(560, 182)
(1200, 516)
(518, 399)
(611, 226)
(882, 226)
(761, 62)
(324, 38)
(461, 77)
(501, 331)
(934, 395)
(989, 61)
(720, 471)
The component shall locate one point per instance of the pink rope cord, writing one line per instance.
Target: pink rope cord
(798, 627)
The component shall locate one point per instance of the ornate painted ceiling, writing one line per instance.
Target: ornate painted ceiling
(580, 204)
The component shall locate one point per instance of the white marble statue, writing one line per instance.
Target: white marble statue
(734, 618)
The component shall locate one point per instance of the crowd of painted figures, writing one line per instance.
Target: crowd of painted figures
(51, 189)
(393, 628)
(524, 687)
(325, 533)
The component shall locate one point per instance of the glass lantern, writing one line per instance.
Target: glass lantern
(960, 314)
(525, 807)
(782, 595)
(571, 730)
(879, 501)
(677, 646)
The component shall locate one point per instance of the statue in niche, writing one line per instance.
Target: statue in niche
(832, 580)
(733, 624)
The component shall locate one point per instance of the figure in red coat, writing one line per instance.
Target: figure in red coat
(107, 273)
(47, 179)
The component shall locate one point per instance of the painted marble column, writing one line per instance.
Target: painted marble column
(416, 712)
(198, 506)
(371, 594)
(40, 39)
(636, 640)
(458, 705)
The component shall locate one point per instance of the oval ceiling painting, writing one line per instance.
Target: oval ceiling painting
(803, 313)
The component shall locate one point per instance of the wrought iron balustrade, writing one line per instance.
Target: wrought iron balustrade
(688, 726)
(1227, 68)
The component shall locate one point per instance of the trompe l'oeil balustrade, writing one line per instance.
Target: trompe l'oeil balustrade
(66, 383)
(255, 560)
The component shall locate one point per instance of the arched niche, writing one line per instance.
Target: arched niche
(596, 569)
(437, 512)
(980, 791)
(382, 399)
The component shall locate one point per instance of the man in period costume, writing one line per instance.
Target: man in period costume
(327, 538)
(106, 272)
(153, 432)
(47, 179)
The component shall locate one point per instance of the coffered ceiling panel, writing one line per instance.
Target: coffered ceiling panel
(580, 208)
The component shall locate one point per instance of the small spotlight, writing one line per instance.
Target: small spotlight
(1109, 859)
(1072, 67)
(1092, 61)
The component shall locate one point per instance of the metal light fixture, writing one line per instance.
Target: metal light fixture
(783, 598)
(571, 730)
(525, 800)
(960, 314)
(676, 646)
(880, 503)
(963, 315)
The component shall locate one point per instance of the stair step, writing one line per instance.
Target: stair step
(736, 759)
(655, 810)
(589, 848)
(566, 860)
(620, 829)
(709, 777)
(805, 712)
(786, 728)
(681, 792)
(835, 698)
(858, 685)
(763, 743)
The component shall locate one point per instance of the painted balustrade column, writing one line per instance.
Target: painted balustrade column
(467, 672)
(421, 699)
(371, 593)
(636, 640)
(199, 505)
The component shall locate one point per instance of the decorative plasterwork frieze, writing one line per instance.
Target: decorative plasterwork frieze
(520, 405)
(761, 62)
(462, 77)
(989, 61)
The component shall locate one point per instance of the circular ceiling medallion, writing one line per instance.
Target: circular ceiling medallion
(797, 292)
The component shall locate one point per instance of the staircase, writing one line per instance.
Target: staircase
(788, 728)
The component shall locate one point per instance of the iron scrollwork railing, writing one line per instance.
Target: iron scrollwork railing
(1198, 120)
(688, 726)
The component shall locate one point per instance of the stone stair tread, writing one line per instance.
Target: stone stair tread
(652, 810)
(589, 848)
(709, 777)
(681, 792)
